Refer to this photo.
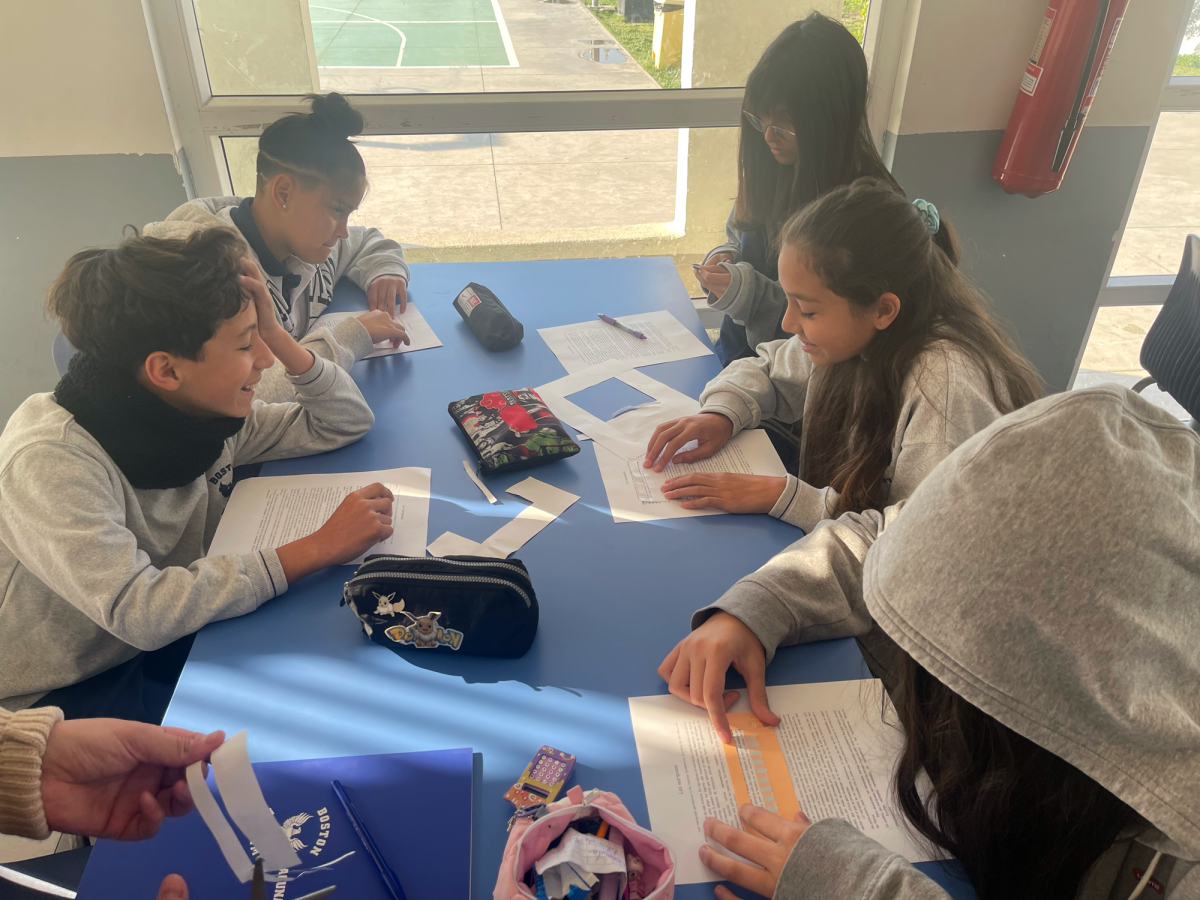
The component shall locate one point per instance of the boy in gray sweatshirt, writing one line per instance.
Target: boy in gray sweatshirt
(1042, 584)
(113, 485)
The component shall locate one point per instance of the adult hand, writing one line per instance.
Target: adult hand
(714, 278)
(382, 327)
(695, 670)
(709, 430)
(360, 522)
(116, 779)
(173, 888)
(387, 292)
(768, 850)
(725, 490)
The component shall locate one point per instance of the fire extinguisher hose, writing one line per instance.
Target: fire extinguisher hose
(1073, 120)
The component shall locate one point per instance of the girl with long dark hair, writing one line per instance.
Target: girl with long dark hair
(1041, 590)
(893, 359)
(804, 132)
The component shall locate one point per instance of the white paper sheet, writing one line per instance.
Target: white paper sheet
(420, 335)
(547, 503)
(831, 756)
(586, 344)
(626, 435)
(491, 498)
(594, 854)
(635, 495)
(266, 513)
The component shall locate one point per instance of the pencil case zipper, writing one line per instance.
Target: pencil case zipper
(473, 579)
(519, 571)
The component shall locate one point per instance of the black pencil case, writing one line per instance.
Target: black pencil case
(475, 605)
(489, 319)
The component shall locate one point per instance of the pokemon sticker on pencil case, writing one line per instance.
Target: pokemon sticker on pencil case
(424, 632)
(385, 606)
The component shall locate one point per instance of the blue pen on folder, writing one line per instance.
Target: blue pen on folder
(625, 328)
(389, 877)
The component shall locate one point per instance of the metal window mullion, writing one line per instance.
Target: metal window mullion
(497, 113)
(1182, 94)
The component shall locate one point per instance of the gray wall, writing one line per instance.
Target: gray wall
(1042, 261)
(50, 207)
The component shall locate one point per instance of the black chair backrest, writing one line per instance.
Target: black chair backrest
(1171, 351)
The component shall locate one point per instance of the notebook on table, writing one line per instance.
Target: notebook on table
(416, 806)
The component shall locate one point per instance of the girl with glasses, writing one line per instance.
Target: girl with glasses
(804, 132)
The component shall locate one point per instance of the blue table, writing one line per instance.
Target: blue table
(300, 675)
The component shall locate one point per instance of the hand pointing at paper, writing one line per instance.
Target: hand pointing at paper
(695, 670)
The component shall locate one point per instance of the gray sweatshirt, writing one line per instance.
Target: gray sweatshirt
(752, 299)
(946, 399)
(95, 570)
(362, 257)
(1047, 572)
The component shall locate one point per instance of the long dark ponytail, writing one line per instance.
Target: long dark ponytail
(814, 75)
(864, 240)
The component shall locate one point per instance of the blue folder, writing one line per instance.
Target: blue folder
(417, 807)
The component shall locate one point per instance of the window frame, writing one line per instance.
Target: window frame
(1180, 94)
(199, 120)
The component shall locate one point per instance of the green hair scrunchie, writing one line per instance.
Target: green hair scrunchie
(930, 214)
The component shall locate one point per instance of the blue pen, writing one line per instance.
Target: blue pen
(389, 877)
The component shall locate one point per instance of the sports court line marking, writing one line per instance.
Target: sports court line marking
(504, 36)
(397, 21)
(369, 20)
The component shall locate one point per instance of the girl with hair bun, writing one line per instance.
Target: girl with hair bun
(311, 177)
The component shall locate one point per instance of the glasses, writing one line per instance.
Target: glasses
(762, 127)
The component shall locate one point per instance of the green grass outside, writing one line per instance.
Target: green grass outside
(854, 16)
(1187, 64)
(637, 39)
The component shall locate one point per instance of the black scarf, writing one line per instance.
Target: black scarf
(155, 445)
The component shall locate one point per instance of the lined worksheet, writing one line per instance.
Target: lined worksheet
(591, 343)
(420, 335)
(635, 493)
(832, 755)
(266, 513)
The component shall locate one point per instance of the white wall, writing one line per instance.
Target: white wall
(78, 78)
(968, 57)
(85, 149)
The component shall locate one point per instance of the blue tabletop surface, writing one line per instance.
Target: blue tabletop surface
(305, 681)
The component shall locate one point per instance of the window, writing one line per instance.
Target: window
(1165, 209)
(517, 129)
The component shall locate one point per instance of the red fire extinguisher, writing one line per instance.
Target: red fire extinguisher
(1056, 92)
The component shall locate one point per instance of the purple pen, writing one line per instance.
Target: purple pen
(625, 328)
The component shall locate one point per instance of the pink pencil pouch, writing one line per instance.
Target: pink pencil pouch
(530, 838)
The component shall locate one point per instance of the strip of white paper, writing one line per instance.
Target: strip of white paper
(247, 807)
(222, 831)
(547, 503)
(491, 498)
(420, 335)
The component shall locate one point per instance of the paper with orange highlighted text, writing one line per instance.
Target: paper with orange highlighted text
(831, 755)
